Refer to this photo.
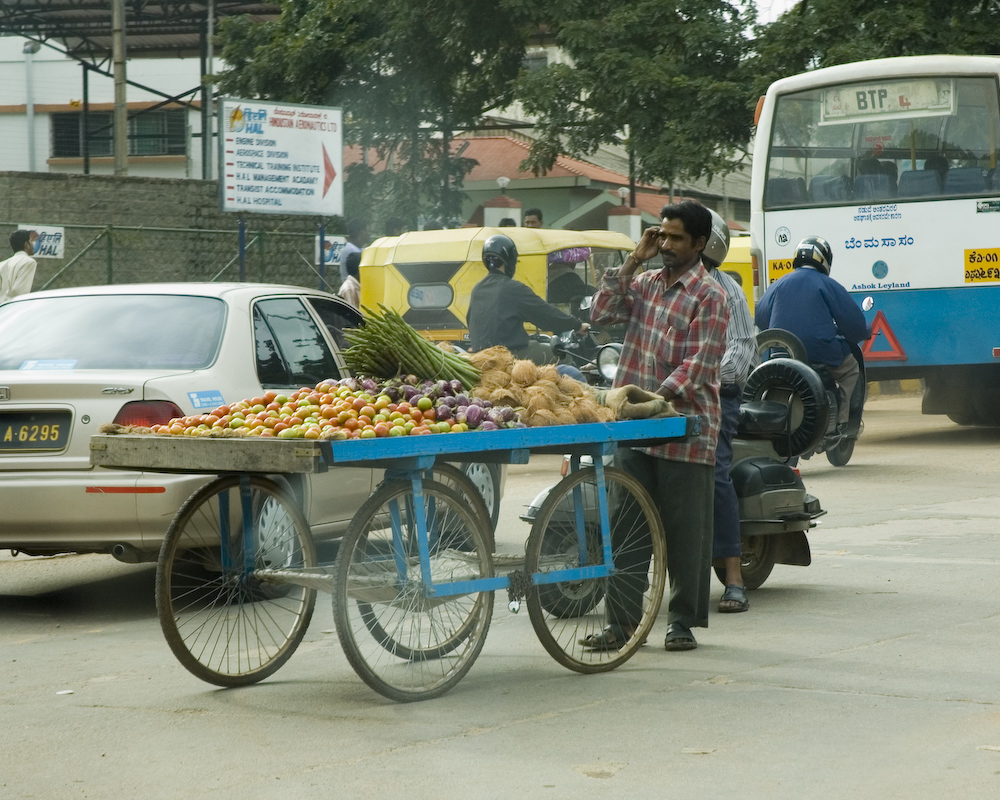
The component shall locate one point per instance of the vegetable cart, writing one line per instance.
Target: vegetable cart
(414, 578)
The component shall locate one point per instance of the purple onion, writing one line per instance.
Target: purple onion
(456, 387)
(391, 392)
(369, 385)
(449, 401)
(412, 380)
(443, 412)
(409, 391)
(489, 425)
(460, 416)
(461, 399)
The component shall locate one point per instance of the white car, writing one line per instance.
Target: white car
(74, 359)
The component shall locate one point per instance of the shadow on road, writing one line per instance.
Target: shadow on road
(77, 592)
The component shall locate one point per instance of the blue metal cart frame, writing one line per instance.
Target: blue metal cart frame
(237, 574)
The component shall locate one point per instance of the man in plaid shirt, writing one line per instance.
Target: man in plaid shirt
(676, 321)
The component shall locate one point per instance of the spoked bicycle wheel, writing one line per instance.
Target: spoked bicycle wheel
(403, 641)
(567, 535)
(224, 620)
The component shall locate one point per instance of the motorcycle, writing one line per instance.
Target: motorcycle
(784, 413)
(837, 444)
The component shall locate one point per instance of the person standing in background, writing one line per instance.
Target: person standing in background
(533, 218)
(357, 239)
(18, 271)
(350, 289)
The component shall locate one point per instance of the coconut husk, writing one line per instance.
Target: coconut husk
(537, 398)
(482, 392)
(548, 372)
(507, 396)
(493, 358)
(524, 372)
(494, 379)
(564, 416)
(549, 389)
(586, 409)
(571, 386)
(539, 418)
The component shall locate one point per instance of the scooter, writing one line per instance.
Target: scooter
(785, 408)
(837, 444)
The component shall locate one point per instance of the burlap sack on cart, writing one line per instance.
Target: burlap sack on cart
(632, 402)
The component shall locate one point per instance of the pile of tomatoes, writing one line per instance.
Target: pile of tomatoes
(326, 411)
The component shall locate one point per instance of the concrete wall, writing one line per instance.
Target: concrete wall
(199, 241)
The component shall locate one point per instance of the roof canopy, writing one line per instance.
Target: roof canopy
(153, 28)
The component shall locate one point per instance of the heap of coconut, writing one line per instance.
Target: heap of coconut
(543, 396)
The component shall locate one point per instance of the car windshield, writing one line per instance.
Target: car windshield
(126, 331)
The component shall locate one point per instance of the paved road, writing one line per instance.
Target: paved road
(870, 674)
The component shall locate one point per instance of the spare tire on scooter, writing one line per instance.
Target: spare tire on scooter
(797, 385)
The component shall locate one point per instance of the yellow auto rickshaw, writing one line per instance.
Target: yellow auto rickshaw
(427, 276)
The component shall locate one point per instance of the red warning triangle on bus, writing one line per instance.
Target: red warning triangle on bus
(881, 327)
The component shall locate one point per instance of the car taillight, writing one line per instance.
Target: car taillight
(148, 412)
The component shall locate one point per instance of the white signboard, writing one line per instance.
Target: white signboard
(888, 100)
(280, 158)
(49, 241)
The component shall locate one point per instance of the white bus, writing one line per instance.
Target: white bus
(894, 162)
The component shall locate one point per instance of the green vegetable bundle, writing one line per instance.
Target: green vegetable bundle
(386, 346)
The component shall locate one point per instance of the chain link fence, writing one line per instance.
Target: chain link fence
(112, 254)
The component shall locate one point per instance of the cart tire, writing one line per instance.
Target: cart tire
(223, 624)
(552, 545)
(403, 644)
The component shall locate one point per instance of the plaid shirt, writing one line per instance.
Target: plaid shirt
(674, 340)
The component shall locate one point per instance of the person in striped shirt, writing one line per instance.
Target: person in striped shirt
(740, 358)
(675, 337)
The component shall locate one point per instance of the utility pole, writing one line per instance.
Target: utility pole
(121, 107)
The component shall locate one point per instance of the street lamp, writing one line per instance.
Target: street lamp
(623, 193)
(502, 182)
(29, 50)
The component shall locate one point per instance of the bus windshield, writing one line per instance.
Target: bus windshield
(884, 141)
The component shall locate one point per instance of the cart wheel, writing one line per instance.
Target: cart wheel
(402, 642)
(460, 482)
(222, 622)
(565, 613)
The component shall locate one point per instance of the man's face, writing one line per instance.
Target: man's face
(531, 221)
(677, 249)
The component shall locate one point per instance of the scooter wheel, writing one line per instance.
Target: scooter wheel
(841, 452)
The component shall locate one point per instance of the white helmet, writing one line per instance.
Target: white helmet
(718, 242)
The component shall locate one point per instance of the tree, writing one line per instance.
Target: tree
(664, 79)
(822, 33)
(406, 74)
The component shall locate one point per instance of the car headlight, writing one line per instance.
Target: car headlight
(607, 360)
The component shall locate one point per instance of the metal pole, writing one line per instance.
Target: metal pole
(209, 89)
(206, 120)
(85, 121)
(30, 48)
(121, 108)
(322, 256)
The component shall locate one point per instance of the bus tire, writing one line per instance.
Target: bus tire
(797, 385)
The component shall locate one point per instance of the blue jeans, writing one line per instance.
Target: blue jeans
(726, 534)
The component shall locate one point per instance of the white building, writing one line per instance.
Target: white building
(41, 114)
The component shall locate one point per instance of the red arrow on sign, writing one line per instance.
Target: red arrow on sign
(329, 173)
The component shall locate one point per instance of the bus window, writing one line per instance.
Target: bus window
(856, 142)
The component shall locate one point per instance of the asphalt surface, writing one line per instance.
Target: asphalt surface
(871, 673)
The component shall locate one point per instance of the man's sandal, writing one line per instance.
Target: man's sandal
(611, 638)
(736, 595)
(679, 638)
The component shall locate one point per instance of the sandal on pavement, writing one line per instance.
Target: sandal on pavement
(736, 596)
(611, 638)
(679, 638)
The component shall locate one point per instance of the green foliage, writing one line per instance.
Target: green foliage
(405, 74)
(822, 33)
(667, 81)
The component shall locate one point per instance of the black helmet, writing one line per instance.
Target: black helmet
(500, 253)
(814, 251)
